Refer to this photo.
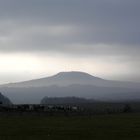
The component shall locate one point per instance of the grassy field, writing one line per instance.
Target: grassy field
(98, 127)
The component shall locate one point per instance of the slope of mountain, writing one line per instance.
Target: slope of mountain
(66, 84)
(60, 79)
(72, 78)
(4, 100)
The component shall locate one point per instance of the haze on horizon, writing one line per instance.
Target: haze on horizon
(39, 38)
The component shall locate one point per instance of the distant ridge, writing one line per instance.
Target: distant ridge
(65, 100)
(74, 83)
(72, 78)
(61, 79)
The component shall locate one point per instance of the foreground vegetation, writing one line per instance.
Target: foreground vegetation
(124, 126)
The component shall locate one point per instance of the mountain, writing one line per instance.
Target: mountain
(4, 100)
(60, 79)
(72, 78)
(66, 84)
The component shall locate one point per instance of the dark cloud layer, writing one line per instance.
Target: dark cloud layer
(88, 22)
(91, 27)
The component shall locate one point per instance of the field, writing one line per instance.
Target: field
(98, 127)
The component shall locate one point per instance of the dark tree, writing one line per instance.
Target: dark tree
(127, 108)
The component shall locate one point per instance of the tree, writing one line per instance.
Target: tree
(127, 108)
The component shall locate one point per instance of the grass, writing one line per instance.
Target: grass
(99, 127)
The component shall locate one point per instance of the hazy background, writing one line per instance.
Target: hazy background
(42, 37)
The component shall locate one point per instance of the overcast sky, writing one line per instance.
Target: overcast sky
(39, 38)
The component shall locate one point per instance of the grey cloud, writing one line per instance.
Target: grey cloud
(91, 22)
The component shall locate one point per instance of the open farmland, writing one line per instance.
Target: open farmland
(98, 127)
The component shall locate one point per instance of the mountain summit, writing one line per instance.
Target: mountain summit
(75, 75)
(60, 79)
